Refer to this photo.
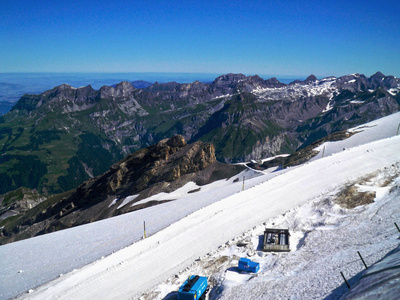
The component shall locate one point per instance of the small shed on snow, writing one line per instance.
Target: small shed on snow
(276, 240)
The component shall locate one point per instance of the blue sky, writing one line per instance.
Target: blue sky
(251, 37)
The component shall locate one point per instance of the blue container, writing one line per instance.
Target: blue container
(193, 288)
(247, 265)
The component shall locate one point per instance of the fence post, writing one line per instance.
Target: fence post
(359, 254)
(345, 280)
(397, 226)
(144, 228)
(243, 184)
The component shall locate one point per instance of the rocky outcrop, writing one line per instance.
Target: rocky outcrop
(273, 83)
(168, 160)
(165, 161)
(19, 201)
(123, 89)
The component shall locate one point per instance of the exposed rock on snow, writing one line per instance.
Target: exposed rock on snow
(351, 197)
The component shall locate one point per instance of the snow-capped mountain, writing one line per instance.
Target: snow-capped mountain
(200, 232)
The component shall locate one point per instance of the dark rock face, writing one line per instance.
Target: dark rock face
(18, 202)
(167, 161)
(123, 89)
(311, 79)
(226, 84)
(273, 83)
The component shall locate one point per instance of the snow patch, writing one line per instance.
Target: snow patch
(393, 91)
(222, 96)
(127, 200)
(328, 107)
(113, 202)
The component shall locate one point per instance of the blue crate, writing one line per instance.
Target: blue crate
(193, 288)
(247, 265)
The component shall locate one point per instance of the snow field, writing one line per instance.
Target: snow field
(141, 266)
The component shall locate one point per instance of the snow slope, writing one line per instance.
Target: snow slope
(139, 267)
(372, 131)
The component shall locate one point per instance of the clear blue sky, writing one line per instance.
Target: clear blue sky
(252, 37)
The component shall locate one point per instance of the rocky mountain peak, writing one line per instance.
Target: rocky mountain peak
(59, 90)
(274, 83)
(226, 84)
(376, 80)
(311, 78)
(64, 86)
(122, 89)
(254, 78)
(377, 75)
(251, 82)
(228, 79)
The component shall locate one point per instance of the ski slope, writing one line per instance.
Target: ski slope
(181, 231)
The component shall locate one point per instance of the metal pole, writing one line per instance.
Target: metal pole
(144, 228)
(397, 226)
(397, 133)
(345, 280)
(359, 254)
(323, 151)
(243, 184)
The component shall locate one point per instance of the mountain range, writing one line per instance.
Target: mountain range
(54, 141)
